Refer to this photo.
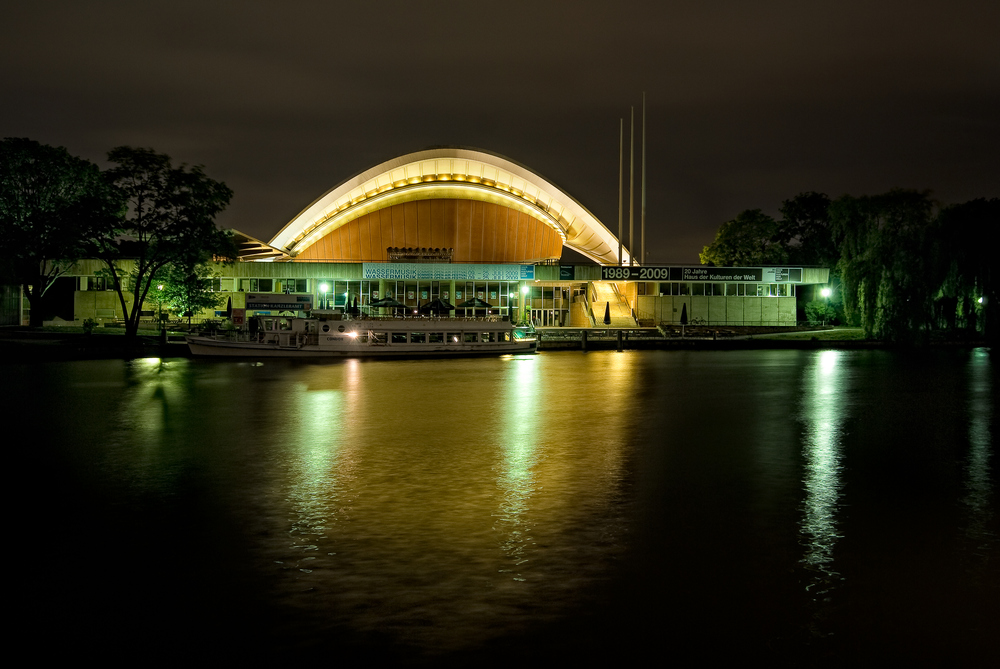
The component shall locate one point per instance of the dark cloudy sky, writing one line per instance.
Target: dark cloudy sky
(749, 103)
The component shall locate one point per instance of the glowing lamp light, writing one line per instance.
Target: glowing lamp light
(324, 287)
(825, 292)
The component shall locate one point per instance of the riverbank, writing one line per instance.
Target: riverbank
(73, 344)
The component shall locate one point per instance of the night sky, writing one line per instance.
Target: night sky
(748, 103)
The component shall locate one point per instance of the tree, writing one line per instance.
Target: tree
(886, 276)
(749, 239)
(804, 230)
(187, 288)
(966, 266)
(48, 201)
(170, 219)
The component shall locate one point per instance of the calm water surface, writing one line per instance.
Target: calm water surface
(807, 508)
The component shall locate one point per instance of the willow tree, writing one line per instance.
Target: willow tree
(885, 265)
(966, 266)
(170, 219)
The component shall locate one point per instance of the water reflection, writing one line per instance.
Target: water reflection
(823, 413)
(978, 484)
(518, 456)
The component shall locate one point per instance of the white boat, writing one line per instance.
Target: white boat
(339, 335)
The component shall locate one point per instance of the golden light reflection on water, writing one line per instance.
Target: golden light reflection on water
(517, 460)
(823, 413)
(438, 489)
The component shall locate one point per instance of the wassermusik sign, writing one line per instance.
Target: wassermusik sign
(702, 273)
(446, 272)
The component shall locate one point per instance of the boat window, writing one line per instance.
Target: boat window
(418, 337)
(437, 337)
(379, 337)
(454, 337)
(361, 339)
(470, 337)
(488, 336)
(398, 337)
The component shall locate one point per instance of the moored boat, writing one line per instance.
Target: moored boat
(339, 335)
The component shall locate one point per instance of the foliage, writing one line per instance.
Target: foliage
(48, 198)
(820, 312)
(752, 238)
(804, 229)
(901, 269)
(883, 264)
(170, 219)
(187, 289)
(965, 265)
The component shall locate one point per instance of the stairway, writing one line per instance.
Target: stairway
(605, 294)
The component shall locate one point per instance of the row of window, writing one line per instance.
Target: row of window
(495, 292)
(434, 337)
(728, 289)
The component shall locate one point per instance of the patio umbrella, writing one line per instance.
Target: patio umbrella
(229, 307)
(387, 303)
(437, 305)
(475, 303)
(607, 313)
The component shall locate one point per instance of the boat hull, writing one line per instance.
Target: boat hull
(208, 346)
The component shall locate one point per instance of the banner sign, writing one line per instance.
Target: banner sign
(291, 302)
(703, 273)
(446, 272)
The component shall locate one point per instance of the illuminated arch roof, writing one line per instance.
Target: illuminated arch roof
(452, 173)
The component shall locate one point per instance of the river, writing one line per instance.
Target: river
(807, 508)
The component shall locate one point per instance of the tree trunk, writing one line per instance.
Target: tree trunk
(36, 302)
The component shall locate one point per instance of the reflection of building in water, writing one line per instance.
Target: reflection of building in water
(823, 413)
(978, 484)
(459, 224)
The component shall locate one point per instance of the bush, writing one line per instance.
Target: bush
(819, 312)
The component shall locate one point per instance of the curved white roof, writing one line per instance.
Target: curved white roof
(452, 172)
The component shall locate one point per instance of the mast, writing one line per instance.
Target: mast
(621, 166)
(642, 258)
(631, 189)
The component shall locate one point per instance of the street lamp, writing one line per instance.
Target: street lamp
(323, 287)
(826, 296)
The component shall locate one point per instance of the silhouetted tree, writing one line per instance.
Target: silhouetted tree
(966, 266)
(170, 218)
(804, 230)
(48, 199)
(752, 238)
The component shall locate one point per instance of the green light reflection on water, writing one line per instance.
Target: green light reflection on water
(978, 483)
(823, 412)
